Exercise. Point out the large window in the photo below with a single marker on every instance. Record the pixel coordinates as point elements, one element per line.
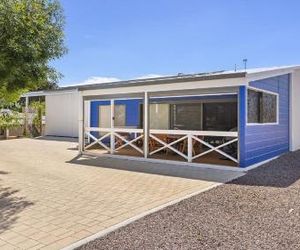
<point>220,116</point>
<point>104,116</point>
<point>262,107</point>
<point>159,116</point>
<point>186,116</point>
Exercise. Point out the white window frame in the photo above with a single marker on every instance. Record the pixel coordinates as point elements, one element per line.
<point>277,108</point>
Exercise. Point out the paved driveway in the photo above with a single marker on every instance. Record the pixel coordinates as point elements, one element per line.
<point>48,200</point>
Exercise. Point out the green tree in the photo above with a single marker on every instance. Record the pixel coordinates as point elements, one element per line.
<point>8,120</point>
<point>31,36</point>
<point>39,109</point>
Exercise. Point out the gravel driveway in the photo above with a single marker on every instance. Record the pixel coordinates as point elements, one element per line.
<point>260,210</point>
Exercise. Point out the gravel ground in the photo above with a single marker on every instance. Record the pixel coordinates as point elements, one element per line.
<point>260,210</point>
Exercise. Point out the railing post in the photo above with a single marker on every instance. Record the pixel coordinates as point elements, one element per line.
<point>81,132</point>
<point>146,124</point>
<point>112,126</point>
<point>190,147</point>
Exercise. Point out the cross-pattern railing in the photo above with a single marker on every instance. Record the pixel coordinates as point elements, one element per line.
<point>187,140</point>
<point>190,137</point>
<point>117,141</point>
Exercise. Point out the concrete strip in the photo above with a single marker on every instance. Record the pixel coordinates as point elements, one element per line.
<point>170,162</point>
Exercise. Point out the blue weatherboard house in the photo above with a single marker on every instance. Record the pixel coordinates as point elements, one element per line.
<point>228,118</point>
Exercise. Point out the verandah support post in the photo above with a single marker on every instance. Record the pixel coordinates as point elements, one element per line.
<point>242,106</point>
<point>112,126</point>
<point>190,147</point>
<point>146,124</point>
<point>81,124</point>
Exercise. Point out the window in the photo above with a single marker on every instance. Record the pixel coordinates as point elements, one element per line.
<point>104,116</point>
<point>187,116</point>
<point>262,107</point>
<point>159,116</point>
<point>220,116</point>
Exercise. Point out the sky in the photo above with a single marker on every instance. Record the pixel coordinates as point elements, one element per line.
<point>111,40</point>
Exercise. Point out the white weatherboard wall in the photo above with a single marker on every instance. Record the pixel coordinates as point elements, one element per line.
<point>295,111</point>
<point>62,114</point>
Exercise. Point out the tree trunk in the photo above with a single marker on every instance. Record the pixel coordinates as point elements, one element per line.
<point>6,133</point>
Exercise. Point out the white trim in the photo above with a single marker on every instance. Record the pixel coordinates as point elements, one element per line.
<point>146,124</point>
<point>112,126</point>
<point>194,132</point>
<point>156,88</point>
<point>187,95</point>
<point>169,146</point>
<point>190,147</point>
<point>106,99</point>
<point>217,149</point>
<point>185,134</point>
<point>166,131</point>
<point>81,137</point>
<point>116,99</point>
<point>268,73</point>
<point>262,90</point>
<point>46,93</point>
<point>119,130</point>
<point>128,143</point>
<point>99,141</point>
<point>291,111</point>
<point>277,107</point>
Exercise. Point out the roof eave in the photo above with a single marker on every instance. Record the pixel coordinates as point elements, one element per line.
<point>154,81</point>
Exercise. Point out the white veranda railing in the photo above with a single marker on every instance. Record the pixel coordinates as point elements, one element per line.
<point>117,137</point>
<point>187,139</point>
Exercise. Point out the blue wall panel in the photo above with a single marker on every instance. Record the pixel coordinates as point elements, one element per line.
<point>262,142</point>
<point>242,125</point>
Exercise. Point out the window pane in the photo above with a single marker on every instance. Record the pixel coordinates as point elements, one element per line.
<point>262,107</point>
<point>120,116</point>
<point>269,108</point>
<point>159,116</point>
<point>253,106</point>
<point>104,116</point>
<point>220,116</point>
<point>187,116</point>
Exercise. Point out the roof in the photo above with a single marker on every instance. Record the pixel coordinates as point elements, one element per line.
<point>176,78</point>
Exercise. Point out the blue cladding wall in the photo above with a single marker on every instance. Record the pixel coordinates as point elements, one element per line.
<point>132,112</point>
<point>262,142</point>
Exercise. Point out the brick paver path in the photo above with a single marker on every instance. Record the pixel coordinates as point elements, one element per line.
<point>46,202</point>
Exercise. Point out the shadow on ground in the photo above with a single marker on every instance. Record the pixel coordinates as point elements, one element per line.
<point>10,206</point>
<point>189,172</point>
<point>281,172</point>
<point>57,138</point>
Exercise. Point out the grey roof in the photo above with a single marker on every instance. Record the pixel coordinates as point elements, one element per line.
<point>161,80</point>
<point>173,79</point>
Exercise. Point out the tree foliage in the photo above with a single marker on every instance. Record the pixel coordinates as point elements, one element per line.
<point>31,36</point>
<point>9,119</point>
<point>39,109</point>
